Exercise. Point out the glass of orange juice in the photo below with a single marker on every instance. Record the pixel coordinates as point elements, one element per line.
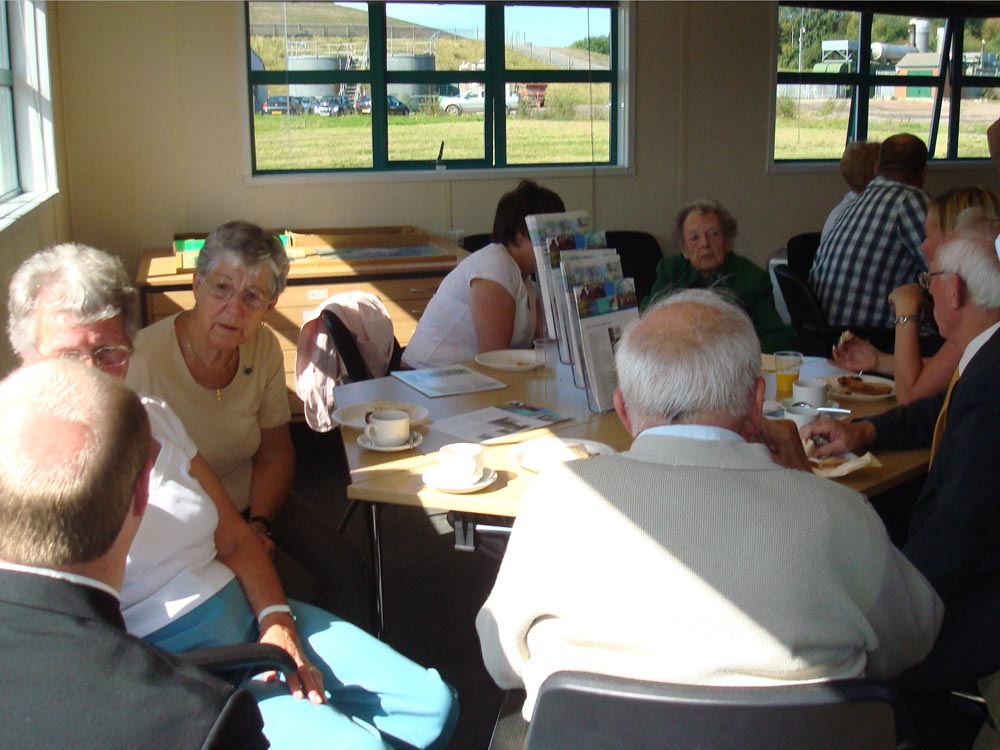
<point>786,370</point>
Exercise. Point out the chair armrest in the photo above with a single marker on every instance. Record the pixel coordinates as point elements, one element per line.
<point>236,664</point>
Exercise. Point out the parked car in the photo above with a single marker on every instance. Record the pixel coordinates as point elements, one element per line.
<point>473,102</point>
<point>281,105</point>
<point>308,103</point>
<point>333,105</point>
<point>393,106</point>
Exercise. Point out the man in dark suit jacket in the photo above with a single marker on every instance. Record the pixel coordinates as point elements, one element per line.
<point>75,455</point>
<point>954,524</point>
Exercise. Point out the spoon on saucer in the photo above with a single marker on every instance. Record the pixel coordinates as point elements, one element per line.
<point>831,409</point>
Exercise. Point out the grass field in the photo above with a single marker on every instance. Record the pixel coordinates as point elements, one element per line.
<point>313,142</point>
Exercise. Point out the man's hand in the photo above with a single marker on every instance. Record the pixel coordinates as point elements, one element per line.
<point>782,438</point>
<point>852,353</point>
<point>841,437</point>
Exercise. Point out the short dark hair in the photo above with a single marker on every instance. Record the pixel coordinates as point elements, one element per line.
<point>903,157</point>
<point>526,199</point>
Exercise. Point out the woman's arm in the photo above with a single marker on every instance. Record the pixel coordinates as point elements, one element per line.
<point>238,548</point>
<point>273,472</point>
<point>917,377</point>
<point>493,313</point>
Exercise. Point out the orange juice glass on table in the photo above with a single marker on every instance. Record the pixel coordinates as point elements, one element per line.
<point>786,370</point>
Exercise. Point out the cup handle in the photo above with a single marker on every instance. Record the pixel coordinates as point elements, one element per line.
<point>370,432</point>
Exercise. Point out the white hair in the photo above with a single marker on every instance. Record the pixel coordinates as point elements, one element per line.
<point>970,252</point>
<point>708,364</point>
<point>87,284</point>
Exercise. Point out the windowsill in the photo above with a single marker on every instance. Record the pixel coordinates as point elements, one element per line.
<point>433,175</point>
<point>20,206</point>
<point>833,166</point>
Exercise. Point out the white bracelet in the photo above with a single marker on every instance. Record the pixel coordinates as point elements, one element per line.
<point>273,609</point>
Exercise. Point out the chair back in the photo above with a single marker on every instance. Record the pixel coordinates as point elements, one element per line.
<point>598,712</point>
<point>473,242</point>
<point>815,335</point>
<point>801,250</point>
<point>640,252</point>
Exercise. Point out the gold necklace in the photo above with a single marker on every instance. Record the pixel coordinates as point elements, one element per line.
<point>224,369</point>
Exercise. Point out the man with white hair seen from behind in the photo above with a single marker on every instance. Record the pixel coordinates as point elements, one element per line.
<point>694,557</point>
<point>74,472</point>
<point>954,523</point>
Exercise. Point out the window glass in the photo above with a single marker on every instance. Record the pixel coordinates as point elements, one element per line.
<point>309,36</point>
<point>434,36</point>
<point>817,41</point>
<point>557,38</point>
<point>451,113</point>
<point>811,121</point>
<point>981,47</point>
<point>573,126</point>
<point>312,142</point>
<point>906,46</point>
<point>8,152</point>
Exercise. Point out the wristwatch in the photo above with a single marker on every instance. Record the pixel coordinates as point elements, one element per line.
<point>900,319</point>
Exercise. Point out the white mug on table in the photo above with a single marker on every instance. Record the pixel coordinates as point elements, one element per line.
<point>388,428</point>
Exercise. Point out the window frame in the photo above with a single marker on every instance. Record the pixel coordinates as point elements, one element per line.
<point>494,79</point>
<point>864,80</point>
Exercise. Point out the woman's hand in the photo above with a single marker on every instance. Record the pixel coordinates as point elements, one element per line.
<point>907,299</point>
<point>852,353</point>
<point>278,629</point>
<point>264,538</point>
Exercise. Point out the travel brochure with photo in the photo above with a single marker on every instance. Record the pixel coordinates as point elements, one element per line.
<point>495,422</point>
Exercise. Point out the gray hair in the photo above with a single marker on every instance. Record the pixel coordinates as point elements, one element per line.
<point>709,364</point>
<point>73,443</point>
<point>250,247</point>
<point>970,252</point>
<point>727,222</point>
<point>87,284</point>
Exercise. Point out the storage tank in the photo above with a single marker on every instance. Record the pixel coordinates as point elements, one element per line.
<point>316,62</point>
<point>412,93</point>
<point>890,54</point>
<point>259,91</point>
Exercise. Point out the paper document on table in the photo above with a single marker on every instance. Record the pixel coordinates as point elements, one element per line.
<point>494,422</point>
<point>450,380</point>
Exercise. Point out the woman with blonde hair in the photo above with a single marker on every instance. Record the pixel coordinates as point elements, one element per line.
<point>918,377</point>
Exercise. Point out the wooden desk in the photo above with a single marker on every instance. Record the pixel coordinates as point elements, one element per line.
<point>405,286</point>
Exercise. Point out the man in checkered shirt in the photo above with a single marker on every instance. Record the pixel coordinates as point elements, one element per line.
<point>875,245</point>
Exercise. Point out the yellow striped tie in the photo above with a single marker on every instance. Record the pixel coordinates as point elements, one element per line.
<point>942,416</point>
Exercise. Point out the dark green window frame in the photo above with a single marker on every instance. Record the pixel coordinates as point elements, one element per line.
<point>494,79</point>
<point>863,81</point>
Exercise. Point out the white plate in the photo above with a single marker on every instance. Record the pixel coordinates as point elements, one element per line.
<point>540,453</point>
<point>415,439</point>
<point>354,415</point>
<point>510,360</point>
<point>433,479</point>
<point>838,392</point>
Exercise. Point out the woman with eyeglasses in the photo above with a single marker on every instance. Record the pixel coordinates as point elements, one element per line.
<point>916,376</point>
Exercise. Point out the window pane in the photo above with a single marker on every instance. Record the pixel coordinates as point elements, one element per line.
<point>449,112</point>
<point>909,111</point>
<point>981,47</point>
<point>309,36</point>
<point>312,142</point>
<point>8,153</point>
<point>811,121</point>
<point>817,41</point>
<point>906,46</point>
<point>977,115</point>
<point>428,36</point>
<point>573,126</point>
<point>557,38</point>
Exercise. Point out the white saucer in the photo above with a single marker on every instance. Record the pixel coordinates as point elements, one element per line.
<point>432,479</point>
<point>788,402</point>
<point>415,439</point>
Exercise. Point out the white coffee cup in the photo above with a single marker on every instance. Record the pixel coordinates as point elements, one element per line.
<point>810,390</point>
<point>801,415</point>
<point>388,428</point>
<point>461,464</point>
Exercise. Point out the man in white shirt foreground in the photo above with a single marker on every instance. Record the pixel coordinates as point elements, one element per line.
<point>693,557</point>
<point>74,474</point>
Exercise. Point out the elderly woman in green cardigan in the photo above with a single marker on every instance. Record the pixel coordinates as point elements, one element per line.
<point>704,231</point>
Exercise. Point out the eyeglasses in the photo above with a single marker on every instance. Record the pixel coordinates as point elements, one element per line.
<point>924,279</point>
<point>104,356</point>
<point>223,290</point>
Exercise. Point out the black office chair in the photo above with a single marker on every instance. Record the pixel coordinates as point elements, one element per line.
<point>237,664</point>
<point>473,242</point>
<point>598,712</point>
<point>640,252</point>
<point>815,336</point>
<point>801,249</point>
<point>347,349</point>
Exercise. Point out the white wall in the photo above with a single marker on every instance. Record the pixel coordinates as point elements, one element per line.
<point>154,134</point>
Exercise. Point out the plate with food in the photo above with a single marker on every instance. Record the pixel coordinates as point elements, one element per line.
<point>509,360</point>
<point>540,453</point>
<point>356,415</point>
<point>837,466</point>
<point>861,387</point>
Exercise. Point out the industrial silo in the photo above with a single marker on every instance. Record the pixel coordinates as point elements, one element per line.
<point>413,94</point>
<point>316,62</point>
